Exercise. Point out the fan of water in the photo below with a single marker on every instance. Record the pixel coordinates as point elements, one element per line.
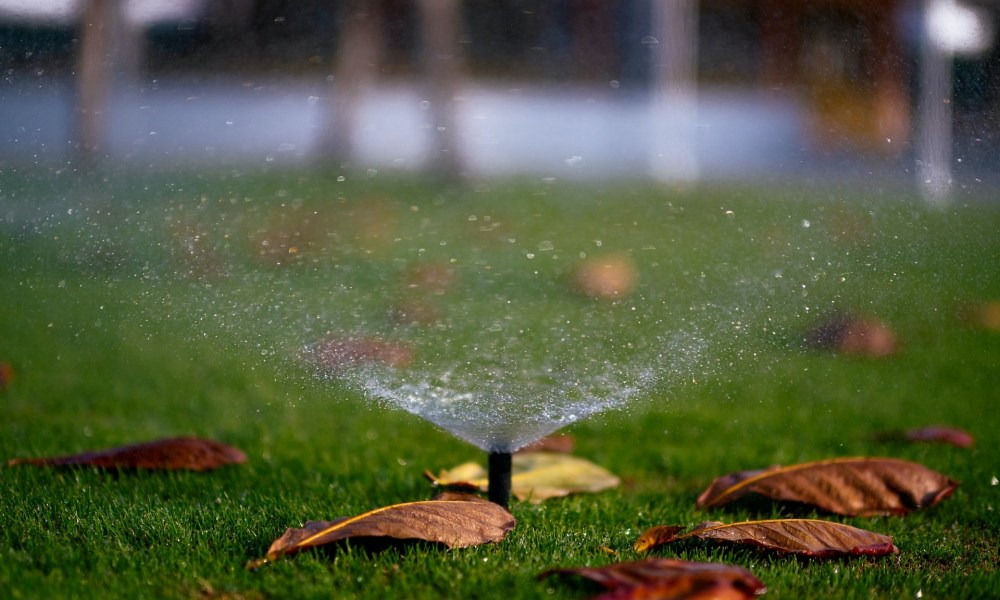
<point>503,386</point>
<point>500,405</point>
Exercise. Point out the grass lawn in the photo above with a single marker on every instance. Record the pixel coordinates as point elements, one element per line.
<point>141,306</point>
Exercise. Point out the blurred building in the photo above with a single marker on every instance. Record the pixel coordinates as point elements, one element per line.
<point>849,67</point>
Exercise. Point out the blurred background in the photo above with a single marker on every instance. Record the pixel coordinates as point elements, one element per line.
<point>889,91</point>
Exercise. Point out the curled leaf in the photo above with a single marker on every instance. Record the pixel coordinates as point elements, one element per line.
<point>453,519</point>
<point>846,486</point>
<point>947,435</point>
<point>182,453</point>
<point>537,476</point>
<point>813,538</point>
<point>937,434</point>
<point>669,578</point>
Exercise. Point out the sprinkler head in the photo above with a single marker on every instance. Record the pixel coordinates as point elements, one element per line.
<point>499,478</point>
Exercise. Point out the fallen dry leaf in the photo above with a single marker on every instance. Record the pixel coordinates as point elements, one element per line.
<point>854,335</point>
<point>562,443</point>
<point>6,375</point>
<point>666,578</point>
<point>935,434</point>
<point>609,277</point>
<point>846,486</point>
<point>334,354</point>
<point>536,476</point>
<point>431,277</point>
<point>453,519</point>
<point>984,315</point>
<point>414,311</point>
<point>811,538</point>
<point>183,453</point>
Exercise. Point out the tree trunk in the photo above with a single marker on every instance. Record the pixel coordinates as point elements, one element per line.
<point>673,153</point>
<point>354,71</point>
<point>439,28</point>
<point>100,23</point>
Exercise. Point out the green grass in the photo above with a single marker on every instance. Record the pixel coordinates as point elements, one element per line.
<point>138,306</point>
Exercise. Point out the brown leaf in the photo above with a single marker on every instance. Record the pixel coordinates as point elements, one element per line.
<point>432,277</point>
<point>337,353</point>
<point>414,311</point>
<point>453,519</point>
<point>183,453</point>
<point>846,486</point>
<point>6,375</point>
<point>667,578</point>
<point>947,435</point>
<point>537,476</point>
<point>812,538</point>
<point>939,434</point>
<point>854,335</point>
<point>608,277</point>
<point>561,443</point>
<point>982,315</point>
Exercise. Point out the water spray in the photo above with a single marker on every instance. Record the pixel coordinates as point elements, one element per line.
<point>499,478</point>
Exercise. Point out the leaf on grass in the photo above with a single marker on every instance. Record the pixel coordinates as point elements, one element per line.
<point>453,519</point>
<point>846,486</point>
<point>6,375</point>
<point>983,315</point>
<point>561,443</point>
<point>945,435</point>
<point>668,578</point>
<point>182,453</point>
<point>938,434</point>
<point>536,476</point>
<point>337,353</point>
<point>812,538</point>
<point>855,335</point>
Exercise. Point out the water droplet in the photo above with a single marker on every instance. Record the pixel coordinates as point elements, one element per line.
<point>806,223</point>
<point>545,246</point>
<point>649,40</point>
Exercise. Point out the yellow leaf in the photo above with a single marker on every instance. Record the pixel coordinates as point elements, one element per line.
<point>537,476</point>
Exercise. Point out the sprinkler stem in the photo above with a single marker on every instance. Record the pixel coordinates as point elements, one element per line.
<point>499,478</point>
